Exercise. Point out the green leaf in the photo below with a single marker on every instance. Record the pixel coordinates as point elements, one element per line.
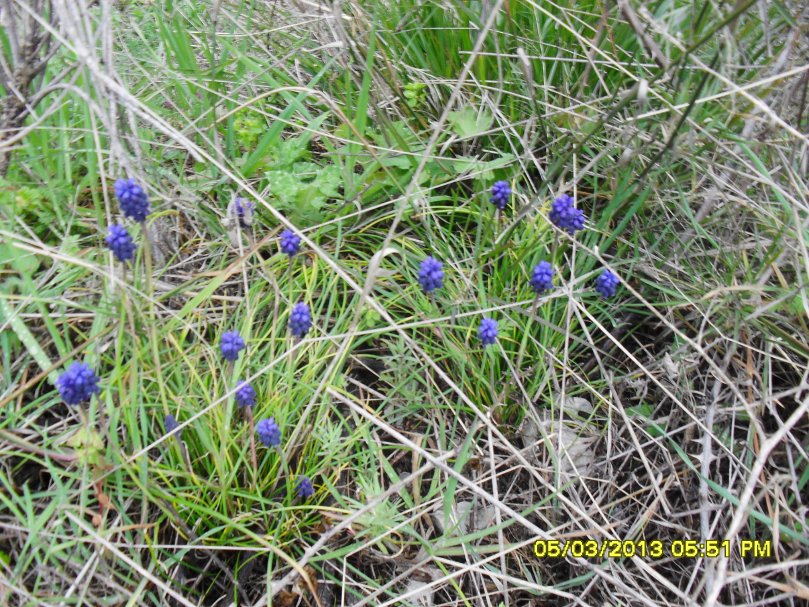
<point>305,169</point>
<point>89,446</point>
<point>398,131</point>
<point>644,410</point>
<point>415,94</point>
<point>284,186</point>
<point>248,126</point>
<point>399,162</point>
<point>9,315</point>
<point>469,123</point>
<point>290,151</point>
<point>481,170</point>
<point>24,262</point>
<point>328,181</point>
<point>310,197</point>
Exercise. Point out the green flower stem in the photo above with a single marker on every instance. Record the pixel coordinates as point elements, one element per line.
<point>251,422</point>
<point>527,332</point>
<point>284,466</point>
<point>153,320</point>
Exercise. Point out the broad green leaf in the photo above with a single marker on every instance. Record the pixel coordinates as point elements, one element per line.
<point>24,262</point>
<point>328,181</point>
<point>399,162</point>
<point>478,168</point>
<point>284,186</point>
<point>469,123</point>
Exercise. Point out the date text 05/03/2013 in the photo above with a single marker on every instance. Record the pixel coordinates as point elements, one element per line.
<point>656,549</point>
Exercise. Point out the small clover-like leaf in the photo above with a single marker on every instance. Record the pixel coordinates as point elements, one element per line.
<point>89,447</point>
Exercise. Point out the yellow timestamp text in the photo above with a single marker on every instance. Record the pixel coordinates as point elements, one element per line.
<point>655,549</point>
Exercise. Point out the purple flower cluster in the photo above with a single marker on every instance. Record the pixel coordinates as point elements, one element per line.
<point>565,216</point>
<point>431,274</point>
<point>244,212</point>
<point>268,432</point>
<point>231,344</point>
<point>290,243</point>
<point>134,203</point>
<point>487,332</point>
<point>245,395</point>
<point>132,199</point>
<point>300,320</point>
<point>170,423</point>
<point>77,384</point>
<point>607,284</point>
<point>304,487</point>
<point>542,277</point>
<point>501,193</point>
<point>120,243</point>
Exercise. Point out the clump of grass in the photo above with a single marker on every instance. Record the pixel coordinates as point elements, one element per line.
<point>612,233</point>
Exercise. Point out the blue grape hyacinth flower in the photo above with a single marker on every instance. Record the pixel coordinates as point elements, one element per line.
<point>290,243</point>
<point>170,423</point>
<point>120,243</point>
<point>501,193</point>
<point>607,284</point>
<point>244,212</point>
<point>565,216</point>
<point>542,277</point>
<point>77,384</point>
<point>245,395</point>
<point>132,199</point>
<point>304,487</point>
<point>268,432</point>
<point>300,320</point>
<point>487,332</point>
<point>431,274</point>
<point>231,344</point>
